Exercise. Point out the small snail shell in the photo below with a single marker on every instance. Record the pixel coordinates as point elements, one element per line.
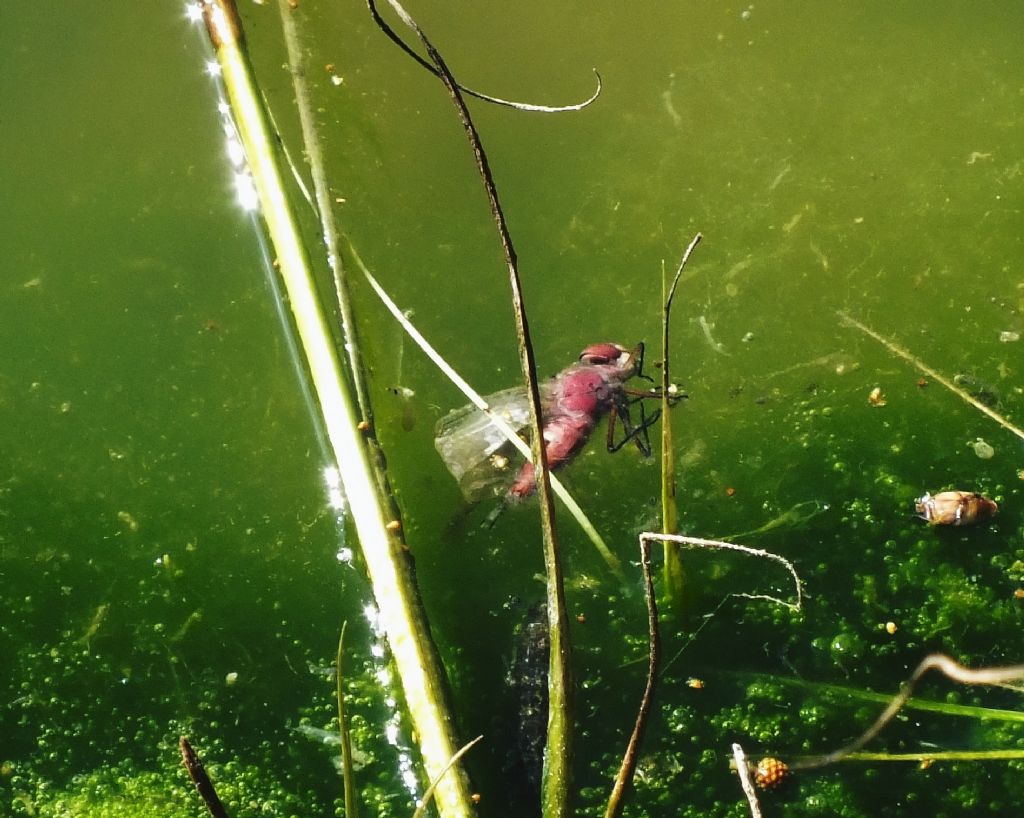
<point>771,773</point>
<point>955,508</point>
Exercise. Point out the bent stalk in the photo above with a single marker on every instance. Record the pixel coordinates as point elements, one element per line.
<point>555,788</point>
<point>616,801</point>
<point>674,576</point>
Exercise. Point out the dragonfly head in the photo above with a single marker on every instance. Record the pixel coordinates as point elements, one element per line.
<point>622,359</point>
<point>605,354</point>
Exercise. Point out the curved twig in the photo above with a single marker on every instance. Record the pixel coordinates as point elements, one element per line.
<point>700,542</point>
<point>629,759</point>
<point>519,106</point>
<point>555,786</point>
<point>998,676</point>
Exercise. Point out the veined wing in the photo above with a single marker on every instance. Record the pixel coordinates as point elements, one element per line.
<point>475,451</point>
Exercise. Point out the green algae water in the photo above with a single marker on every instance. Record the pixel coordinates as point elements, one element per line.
<point>170,558</point>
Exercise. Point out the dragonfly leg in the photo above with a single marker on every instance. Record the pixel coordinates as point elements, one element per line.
<point>637,433</point>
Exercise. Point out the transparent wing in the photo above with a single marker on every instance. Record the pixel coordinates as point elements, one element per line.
<point>475,451</point>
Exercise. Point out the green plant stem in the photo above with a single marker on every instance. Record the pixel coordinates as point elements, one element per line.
<point>391,576</point>
<point>951,669</point>
<point>944,755</point>
<point>429,793</point>
<point>324,207</point>
<point>945,708</point>
<point>672,561</point>
<point>347,773</point>
<point>673,566</point>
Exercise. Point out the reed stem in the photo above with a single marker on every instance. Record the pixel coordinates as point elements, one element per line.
<point>673,565</point>
<point>401,613</point>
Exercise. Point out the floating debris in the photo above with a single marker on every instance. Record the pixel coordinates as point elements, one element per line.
<point>1008,336</point>
<point>706,328</point>
<point>128,520</point>
<point>876,398</point>
<point>979,390</point>
<point>982,449</point>
<point>955,508</point>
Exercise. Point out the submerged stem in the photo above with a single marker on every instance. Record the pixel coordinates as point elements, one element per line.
<point>999,676</point>
<point>942,755</point>
<point>391,575</point>
<point>969,711</point>
<point>347,773</point>
<point>204,786</point>
<point>324,209</point>
<point>896,349</point>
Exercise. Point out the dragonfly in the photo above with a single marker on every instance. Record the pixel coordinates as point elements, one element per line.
<point>480,457</point>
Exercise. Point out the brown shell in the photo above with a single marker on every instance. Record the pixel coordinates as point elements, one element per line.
<point>771,773</point>
<point>956,508</point>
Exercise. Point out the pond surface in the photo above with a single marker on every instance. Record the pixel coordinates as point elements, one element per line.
<point>170,561</point>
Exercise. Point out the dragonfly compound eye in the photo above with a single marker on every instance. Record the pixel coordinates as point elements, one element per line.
<point>601,353</point>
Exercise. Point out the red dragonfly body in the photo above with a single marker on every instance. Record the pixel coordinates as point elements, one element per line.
<point>580,395</point>
<point>572,402</point>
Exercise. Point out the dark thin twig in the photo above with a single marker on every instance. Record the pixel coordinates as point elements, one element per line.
<point>629,759</point>
<point>558,758</point>
<point>1001,676</point>
<point>521,106</point>
<point>197,773</point>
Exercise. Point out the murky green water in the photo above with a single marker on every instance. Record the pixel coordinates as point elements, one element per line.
<point>168,557</point>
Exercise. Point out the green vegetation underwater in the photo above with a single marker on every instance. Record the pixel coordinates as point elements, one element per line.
<point>176,558</point>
